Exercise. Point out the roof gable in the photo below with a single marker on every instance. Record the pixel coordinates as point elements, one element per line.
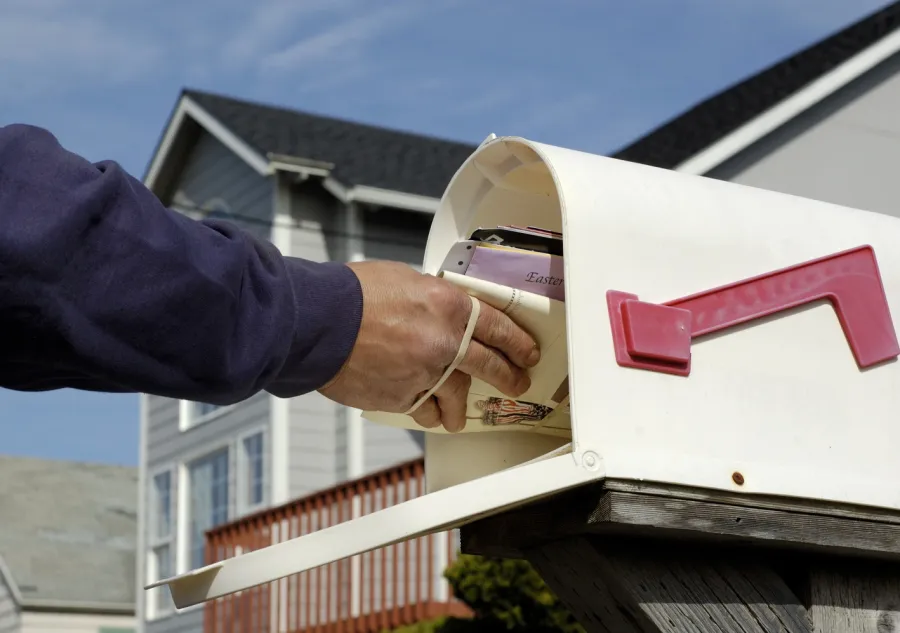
<point>359,154</point>
<point>68,533</point>
<point>702,126</point>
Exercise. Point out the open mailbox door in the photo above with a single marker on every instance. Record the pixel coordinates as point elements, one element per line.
<point>792,384</point>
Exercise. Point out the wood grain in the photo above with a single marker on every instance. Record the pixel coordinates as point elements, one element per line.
<point>686,515</point>
<point>612,585</point>
<point>854,598</point>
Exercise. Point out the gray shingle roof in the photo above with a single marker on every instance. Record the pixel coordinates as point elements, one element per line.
<point>68,531</point>
<point>362,154</point>
<point>710,120</point>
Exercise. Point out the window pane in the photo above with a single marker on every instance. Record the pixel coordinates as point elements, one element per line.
<point>395,234</point>
<point>163,561</point>
<point>253,478</point>
<point>209,500</point>
<point>162,504</point>
<point>204,408</point>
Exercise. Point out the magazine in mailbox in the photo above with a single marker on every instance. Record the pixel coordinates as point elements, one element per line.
<point>519,271</point>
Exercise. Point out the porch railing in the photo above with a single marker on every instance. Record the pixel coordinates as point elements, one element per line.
<point>390,587</point>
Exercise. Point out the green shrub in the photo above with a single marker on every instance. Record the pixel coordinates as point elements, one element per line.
<point>504,595</point>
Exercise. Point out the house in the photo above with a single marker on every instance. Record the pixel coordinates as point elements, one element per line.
<point>316,187</point>
<point>67,546</point>
<point>822,124</point>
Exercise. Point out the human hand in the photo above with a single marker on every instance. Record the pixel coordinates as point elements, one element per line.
<point>412,326</point>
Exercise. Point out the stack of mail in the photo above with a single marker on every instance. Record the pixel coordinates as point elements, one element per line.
<point>519,271</point>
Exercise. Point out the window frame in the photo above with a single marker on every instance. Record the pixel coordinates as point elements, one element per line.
<point>241,488</point>
<point>158,601</point>
<point>188,465</point>
<point>188,418</point>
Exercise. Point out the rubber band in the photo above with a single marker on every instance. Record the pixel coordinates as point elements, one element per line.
<point>460,355</point>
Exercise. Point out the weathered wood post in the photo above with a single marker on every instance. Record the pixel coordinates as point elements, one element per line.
<point>626,557</point>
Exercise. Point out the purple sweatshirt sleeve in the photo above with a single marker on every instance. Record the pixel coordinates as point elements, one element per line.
<point>104,289</point>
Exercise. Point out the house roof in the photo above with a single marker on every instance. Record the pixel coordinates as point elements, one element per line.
<point>361,154</point>
<point>67,533</point>
<point>704,124</point>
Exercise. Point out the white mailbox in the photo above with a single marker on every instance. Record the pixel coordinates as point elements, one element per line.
<point>711,330</point>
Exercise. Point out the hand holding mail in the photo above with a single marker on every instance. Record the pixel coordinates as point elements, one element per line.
<point>421,341</point>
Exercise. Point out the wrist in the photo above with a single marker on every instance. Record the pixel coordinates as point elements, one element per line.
<point>328,308</point>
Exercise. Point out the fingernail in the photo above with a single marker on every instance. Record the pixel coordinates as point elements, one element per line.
<point>534,356</point>
<point>524,385</point>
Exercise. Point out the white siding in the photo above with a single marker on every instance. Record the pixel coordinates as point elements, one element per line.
<point>386,445</point>
<point>844,150</point>
<point>214,177</point>
<point>317,231</point>
<point>318,446</point>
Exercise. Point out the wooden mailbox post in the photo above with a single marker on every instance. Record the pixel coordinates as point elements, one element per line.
<point>728,461</point>
<point>627,557</point>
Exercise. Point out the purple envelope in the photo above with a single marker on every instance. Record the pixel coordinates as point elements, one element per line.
<point>538,273</point>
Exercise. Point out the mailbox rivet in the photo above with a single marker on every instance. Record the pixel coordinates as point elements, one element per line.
<point>737,478</point>
<point>591,460</point>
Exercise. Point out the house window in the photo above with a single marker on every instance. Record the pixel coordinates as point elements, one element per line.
<point>395,234</point>
<point>160,538</point>
<point>162,563</point>
<point>202,409</point>
<point>208,501</point>
<point>253,472</point>
<point>162,505</point>
<point>194,413</point>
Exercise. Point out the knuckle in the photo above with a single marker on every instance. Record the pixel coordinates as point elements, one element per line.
<point>441,295</point>
<point>484,363</point>
<point>500,370</point>
<point>514,338</point>
<point>504,331</point>
<point>458,384</point>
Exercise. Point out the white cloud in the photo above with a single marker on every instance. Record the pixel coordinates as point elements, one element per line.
<point>271,21</point>
<point>346,39</point>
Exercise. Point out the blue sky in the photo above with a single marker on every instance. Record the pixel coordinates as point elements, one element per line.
<point>103,75</point>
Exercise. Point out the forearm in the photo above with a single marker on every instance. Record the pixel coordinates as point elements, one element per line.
<point>103,288</point>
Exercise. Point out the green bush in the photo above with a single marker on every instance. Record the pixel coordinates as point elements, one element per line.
<point>504,595</point>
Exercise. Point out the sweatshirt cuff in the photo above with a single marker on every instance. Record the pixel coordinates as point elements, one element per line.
<point>328,305</point>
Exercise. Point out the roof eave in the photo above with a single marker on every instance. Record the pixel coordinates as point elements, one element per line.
<point>72,606</point>
<point>186,110</point>
<point>791,107</point>
<point>381,197</point>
